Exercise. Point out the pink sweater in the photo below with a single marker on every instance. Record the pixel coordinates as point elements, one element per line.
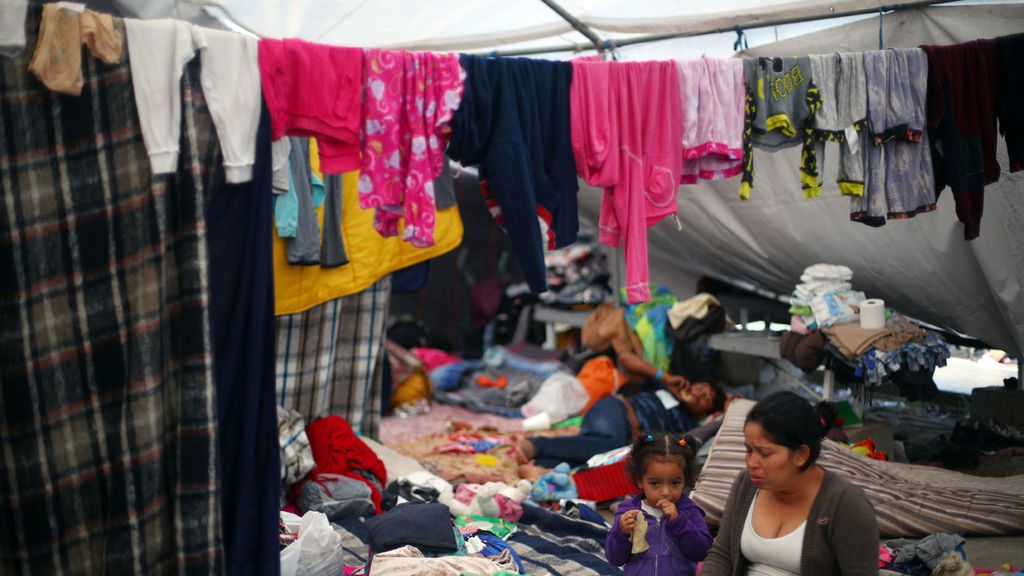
<point>315,90</point>
<point>627,139</point>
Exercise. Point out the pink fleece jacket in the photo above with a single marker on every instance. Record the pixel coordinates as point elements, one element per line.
<point>626,138</point>
<point>315,90</point>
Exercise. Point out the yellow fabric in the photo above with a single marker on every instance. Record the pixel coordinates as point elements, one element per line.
<point>782,123</point>
<point>810,185</point>
<point>314,158</point>
<point>851,188</point>
<point>745,191</point>
<point>371,256</point>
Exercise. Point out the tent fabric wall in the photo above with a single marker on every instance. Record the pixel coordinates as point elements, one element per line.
<point>484,25</point>
<point>920,266</point>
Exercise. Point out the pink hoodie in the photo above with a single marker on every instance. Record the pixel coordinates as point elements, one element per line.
<point>315,90</point>
<point>627,138</point>
<point>713,96</point>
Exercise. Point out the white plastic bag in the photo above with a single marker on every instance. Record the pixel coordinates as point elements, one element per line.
<point>834,308</point>
<point>317,552</point>
<point>561,396</point>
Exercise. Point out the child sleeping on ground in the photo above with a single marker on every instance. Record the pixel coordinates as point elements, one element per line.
<point>659,531</point>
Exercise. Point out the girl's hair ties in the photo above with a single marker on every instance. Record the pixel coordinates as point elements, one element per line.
<point>682,442</point>
<point>650,437</point>
<point>822,420</point>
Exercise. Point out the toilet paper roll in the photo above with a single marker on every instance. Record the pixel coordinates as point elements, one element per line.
<point>872,314</point>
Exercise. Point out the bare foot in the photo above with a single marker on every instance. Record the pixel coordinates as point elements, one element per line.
<point>524,451</point>
<point>532,472</point>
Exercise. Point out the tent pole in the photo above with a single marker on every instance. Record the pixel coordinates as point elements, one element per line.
<point>575,23</point>
<point>750,26</point>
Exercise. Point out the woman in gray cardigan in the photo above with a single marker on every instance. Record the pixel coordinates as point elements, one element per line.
<point>786,515</point>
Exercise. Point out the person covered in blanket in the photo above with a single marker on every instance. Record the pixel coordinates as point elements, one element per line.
<point>659,530</point>
<point>661,403</point>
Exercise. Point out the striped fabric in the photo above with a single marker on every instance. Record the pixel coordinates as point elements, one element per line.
<point>329,358</point>
<point>911,501</point>
<point>547,543</point>
<point>108,453</point>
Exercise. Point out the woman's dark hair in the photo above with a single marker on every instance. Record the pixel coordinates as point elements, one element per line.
<point>789,420</point>
<point>660,445</point>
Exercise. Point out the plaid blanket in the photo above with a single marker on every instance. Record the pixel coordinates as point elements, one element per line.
<point>107,408</point>
<point>329,358</point>
<point>547,543</point>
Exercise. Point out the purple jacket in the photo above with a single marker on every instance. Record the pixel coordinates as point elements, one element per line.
<point>675,547</point>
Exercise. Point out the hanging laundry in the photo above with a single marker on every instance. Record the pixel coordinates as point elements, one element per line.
<point>57,61</point>
<point>444,188</point>
<point>315,90</point>
<point>712,92</point>
<point>329,357</point>
<point>281,150</point>
<point>12,27</point>
<point>781,102</point>
<point>841,117</point>
<point>626,137</point>
<point>110,415</point>
<point>244,332</point>
<point>898,180</point>
<point>158,51</point>
<point>962,91</point>
<point>295,211</point>
<point>370,255</point>
<point>514,124</point>
<point>332,246</point>
<point>409,99</point>
<point>1011,86</point>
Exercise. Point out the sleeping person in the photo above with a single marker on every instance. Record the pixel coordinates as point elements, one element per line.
<point>662,403</point>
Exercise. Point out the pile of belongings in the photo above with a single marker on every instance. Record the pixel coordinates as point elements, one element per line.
<point>824,297</point>
<point>577,275</point>
<point>422,538</point>
<point>501,383</point>
<point>899,347</point>
<point>854,341</point>
<point>348,479</point>
<point>936,554</point>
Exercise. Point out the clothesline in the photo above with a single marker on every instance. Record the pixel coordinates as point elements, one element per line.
<point>533,126</point>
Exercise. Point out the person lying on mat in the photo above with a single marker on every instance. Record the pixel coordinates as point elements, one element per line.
<point>786,515</point>
<point>663,403</point>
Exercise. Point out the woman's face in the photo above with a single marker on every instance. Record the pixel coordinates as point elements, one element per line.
<point>772,467</point>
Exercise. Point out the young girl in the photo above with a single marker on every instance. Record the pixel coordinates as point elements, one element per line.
<point>676,537</point>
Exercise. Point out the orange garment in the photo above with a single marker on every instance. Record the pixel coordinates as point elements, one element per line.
<point>57,61</point>
<point>487,382</point>
<point>601,378</point>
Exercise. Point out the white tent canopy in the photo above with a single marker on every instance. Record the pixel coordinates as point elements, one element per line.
<point>921,266</point>
<point>483,25</point>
